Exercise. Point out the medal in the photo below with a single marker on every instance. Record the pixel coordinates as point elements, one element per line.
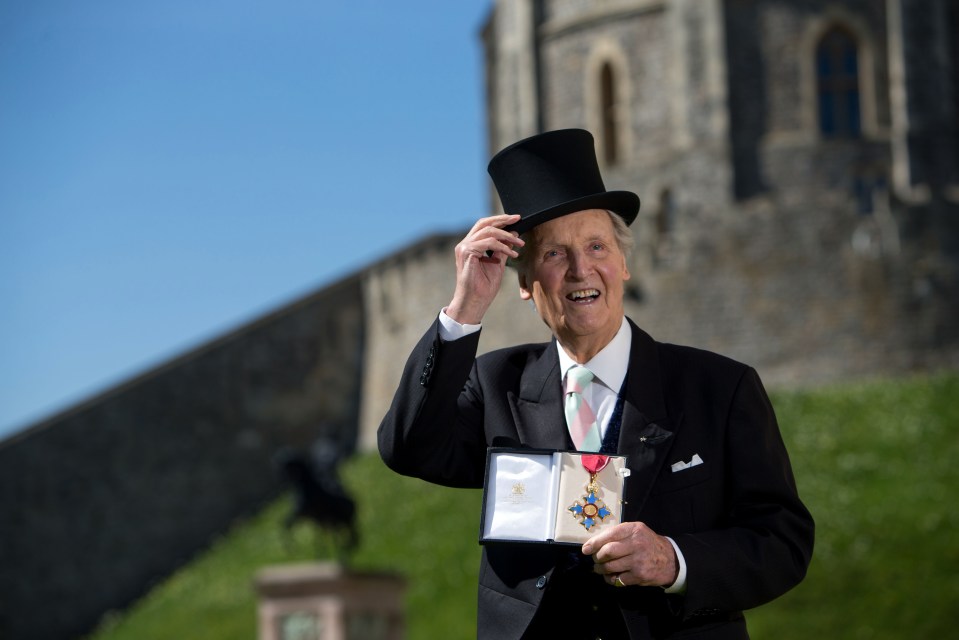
<point>591,506</point>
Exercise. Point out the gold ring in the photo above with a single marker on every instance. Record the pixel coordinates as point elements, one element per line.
<point>618,582</point>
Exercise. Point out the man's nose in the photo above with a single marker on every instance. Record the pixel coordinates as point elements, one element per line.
<point>578,265</point>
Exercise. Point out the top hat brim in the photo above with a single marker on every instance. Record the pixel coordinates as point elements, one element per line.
<point>625,204</point>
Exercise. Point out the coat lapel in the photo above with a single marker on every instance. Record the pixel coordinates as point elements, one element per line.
<point>647,431</point>
<point>538,410</point>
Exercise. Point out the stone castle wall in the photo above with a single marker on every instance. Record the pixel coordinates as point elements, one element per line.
<point>105,499</point>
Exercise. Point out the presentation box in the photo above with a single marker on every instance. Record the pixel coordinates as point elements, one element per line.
<point>550,497</point>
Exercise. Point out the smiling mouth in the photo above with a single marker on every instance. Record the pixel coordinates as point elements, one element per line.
<point>583,295</point>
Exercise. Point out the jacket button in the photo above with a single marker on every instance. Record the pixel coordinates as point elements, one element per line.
<point>540,582</point>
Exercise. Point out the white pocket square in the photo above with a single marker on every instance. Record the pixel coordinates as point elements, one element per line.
<point>695,461</point>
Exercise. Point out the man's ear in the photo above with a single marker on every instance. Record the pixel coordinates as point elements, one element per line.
<point>524,291</point>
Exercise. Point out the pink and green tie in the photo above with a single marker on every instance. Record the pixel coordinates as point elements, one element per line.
<point>579,416</point>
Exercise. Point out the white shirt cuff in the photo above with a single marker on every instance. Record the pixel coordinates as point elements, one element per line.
<point>680,585</point>
<point>452,330</point>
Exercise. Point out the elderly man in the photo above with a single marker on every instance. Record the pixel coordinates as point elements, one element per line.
<point>711,524</point>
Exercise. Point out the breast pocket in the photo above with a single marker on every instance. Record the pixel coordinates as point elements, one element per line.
<point>670,480</point>
<point>678,498</point>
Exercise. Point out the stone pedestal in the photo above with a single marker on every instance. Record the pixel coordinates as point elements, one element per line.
<point>324,601</point>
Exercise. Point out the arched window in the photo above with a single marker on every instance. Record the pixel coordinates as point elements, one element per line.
<point>608,114</point>
<point>665,225</point>
<point>665,215</point>
<point>607,99</point>
<point>837,80</point>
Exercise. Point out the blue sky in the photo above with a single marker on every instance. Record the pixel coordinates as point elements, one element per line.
<point>171,170</point>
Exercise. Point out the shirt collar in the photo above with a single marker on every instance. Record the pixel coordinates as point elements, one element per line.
<point>610,364</point>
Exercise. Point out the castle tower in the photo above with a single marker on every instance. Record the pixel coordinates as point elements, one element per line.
<point>798,164</point>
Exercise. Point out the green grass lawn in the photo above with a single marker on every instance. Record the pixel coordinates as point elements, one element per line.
<point>874,463</point>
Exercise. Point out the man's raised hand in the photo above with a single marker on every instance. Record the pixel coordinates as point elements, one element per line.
<point>480,263</point>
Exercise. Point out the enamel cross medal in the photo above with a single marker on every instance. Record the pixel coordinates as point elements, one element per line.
<point>591,507</point>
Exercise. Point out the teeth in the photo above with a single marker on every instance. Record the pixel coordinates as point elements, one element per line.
<point>585,293</point>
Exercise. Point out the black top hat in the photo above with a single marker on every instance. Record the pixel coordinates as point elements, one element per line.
<point>553,174</point>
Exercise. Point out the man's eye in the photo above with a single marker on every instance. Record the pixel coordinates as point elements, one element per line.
<point>598,247</point>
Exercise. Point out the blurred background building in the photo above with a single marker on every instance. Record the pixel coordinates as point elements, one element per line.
<point>798,165</point>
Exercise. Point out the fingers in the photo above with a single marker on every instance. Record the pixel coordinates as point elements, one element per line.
<point>479,275</point>
<point>613,550</point>
<point>488,238</point>
<point>619,532</point>
<point>500,221</point>
<point>612,569</point>
<point>633,553</point>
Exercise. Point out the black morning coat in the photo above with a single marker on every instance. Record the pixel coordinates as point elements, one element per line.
<point>745,534</point>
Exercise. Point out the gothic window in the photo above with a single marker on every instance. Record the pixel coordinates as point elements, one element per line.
<point>665,214</point>
<point>665,223</point>
<point>837,79</point>
<point>608,114</point>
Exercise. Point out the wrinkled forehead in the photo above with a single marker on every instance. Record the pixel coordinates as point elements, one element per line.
<point>574,227</point>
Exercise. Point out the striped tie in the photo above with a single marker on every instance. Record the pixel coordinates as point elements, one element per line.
<point>579,416</point>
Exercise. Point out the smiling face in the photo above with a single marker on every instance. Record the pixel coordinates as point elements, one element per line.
<point>575,273</point>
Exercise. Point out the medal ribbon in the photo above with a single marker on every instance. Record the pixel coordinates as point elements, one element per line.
<point>594,463</point>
